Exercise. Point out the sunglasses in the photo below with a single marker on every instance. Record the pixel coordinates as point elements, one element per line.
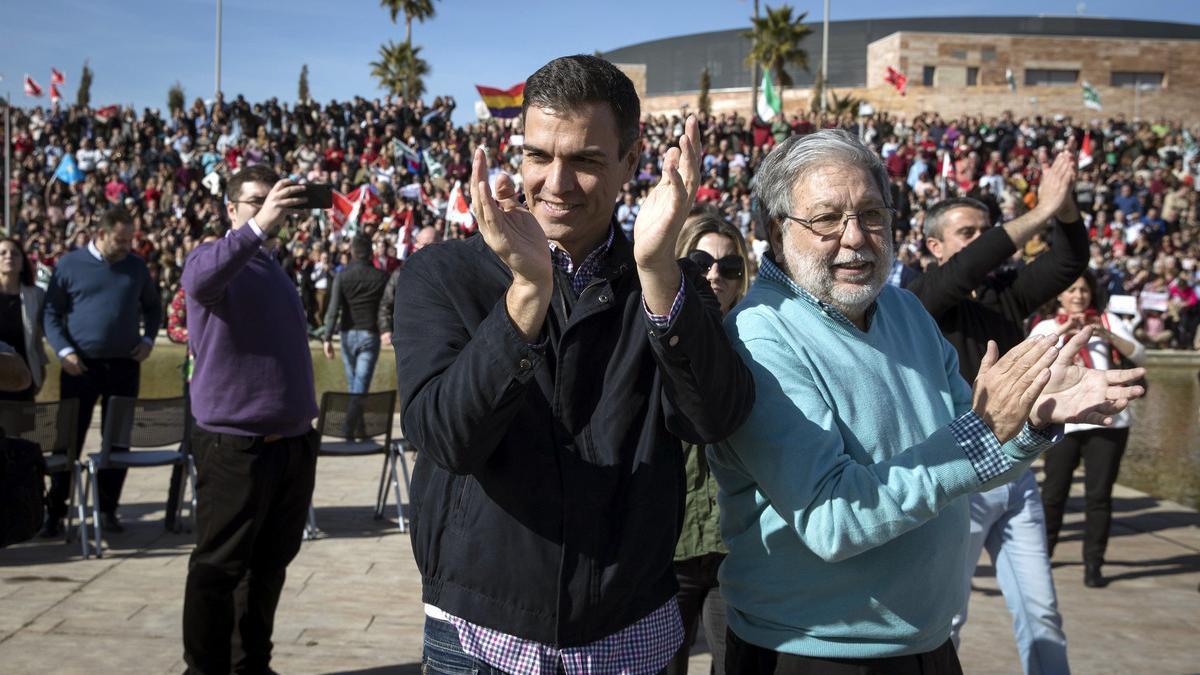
<point>731,266</point>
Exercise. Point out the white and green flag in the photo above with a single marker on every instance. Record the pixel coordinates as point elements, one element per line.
<point>1091,97</point>
<point>769,104</point>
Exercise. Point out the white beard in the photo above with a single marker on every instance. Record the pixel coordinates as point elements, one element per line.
<point>815,275</point>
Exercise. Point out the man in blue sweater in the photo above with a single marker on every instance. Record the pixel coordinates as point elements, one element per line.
<point>256,451</point>
<point>842,495</point>
<point>101,315</point>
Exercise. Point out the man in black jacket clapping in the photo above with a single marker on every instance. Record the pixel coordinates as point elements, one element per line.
<point>546,372</point>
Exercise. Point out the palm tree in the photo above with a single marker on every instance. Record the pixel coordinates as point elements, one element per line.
<point>775,43</point>
<point>411,9</point>
<point>400,70</point>
<point>847,104</point>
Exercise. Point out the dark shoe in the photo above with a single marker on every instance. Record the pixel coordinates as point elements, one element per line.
<point>1092,578</point>
<point>51,529</point>
<point>110,523</point>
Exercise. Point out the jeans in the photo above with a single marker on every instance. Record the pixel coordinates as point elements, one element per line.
<point>360,351</point>
<point>1009,521</point>
<point>444,655</point>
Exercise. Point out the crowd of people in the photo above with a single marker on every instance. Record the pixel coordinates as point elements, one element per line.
<point>549,369</point>
<point>1137,188</point>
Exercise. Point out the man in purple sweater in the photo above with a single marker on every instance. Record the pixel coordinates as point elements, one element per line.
<point>256,451</point>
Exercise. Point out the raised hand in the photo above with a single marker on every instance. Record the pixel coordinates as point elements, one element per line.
<point>1056,191</point>
<point>666,207</point>
<point>284,197</point>
<point>508,228</point>
<point>1007,387</point>
<point>1084,395</point>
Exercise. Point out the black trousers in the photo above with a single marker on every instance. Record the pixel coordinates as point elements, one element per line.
<point>102,379</point>
<point>253,499</point>
<point>700,595</point>
<point>743,658</point>
<point>1101,451</point>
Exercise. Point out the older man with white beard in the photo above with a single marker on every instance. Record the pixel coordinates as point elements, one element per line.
<point>842,495</point>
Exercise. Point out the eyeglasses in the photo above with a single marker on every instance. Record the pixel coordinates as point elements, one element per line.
<point>257,203</point>
<point>731,266</point>
<point>834,223</point>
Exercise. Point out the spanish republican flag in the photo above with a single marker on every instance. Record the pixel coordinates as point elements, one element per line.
<point>503,103</point>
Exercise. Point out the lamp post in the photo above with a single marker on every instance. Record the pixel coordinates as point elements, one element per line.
<point>217,93</point>
<point>825,57</point>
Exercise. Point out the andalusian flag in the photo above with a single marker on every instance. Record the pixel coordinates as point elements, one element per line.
<point>769,104</point>
<point>1091,97</point>
<point>503,103</point>
<point>1010,79</point>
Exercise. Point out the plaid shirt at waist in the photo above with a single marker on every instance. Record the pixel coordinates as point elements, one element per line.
<point>645,647</point>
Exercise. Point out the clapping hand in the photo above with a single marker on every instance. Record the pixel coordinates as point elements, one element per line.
<point>661,217</point>
<point>1056,191</point>
<point>508,228</point>
<point>1084,395</point>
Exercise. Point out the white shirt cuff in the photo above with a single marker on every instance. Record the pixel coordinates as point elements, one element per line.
<point>62,353</point>
<point>256,229</point>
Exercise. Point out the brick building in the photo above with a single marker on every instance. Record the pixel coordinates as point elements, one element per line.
<point>955,65</point>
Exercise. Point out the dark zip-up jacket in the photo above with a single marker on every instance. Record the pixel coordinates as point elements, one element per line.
<point>972,305</point>
<point>548,493</point>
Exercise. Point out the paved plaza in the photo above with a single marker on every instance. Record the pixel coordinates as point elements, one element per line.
<point>352,601</point>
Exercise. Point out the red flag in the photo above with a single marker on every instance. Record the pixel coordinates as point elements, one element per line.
<point>108,112</point>
<point>340,212</point>
<point>368,195</point>
<point>32,88</point>
<point>1085,150</point>
<point>56,77</point>
<point>55,97</point>
<point>897,79</point>
<point>405,240</point>
<point>457,210</point>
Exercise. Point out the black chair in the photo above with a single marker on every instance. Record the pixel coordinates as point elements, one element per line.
<point>353,425</point>
<point>140,423</point>
<point>53,426</point>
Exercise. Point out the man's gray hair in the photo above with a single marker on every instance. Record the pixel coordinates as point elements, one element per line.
<point>935,217</point>
<point>794,158</point>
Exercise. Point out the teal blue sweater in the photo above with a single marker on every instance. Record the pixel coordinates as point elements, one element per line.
<point>841,495</point>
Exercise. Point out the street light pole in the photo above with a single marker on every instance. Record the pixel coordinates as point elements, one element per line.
<point>7,163</point>
<point>217,93</point>
<point>825,57</point>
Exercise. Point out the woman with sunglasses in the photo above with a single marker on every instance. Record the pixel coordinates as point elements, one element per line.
<point>718,248</point>
<point>1112,346</point>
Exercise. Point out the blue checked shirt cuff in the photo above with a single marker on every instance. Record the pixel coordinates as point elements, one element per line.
<point>663,321</point>
<point>981,446</point>
<point>983,449</point>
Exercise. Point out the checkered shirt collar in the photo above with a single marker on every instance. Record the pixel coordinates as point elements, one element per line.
<point>582,275</point>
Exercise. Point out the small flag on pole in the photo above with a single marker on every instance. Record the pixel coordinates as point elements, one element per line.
<point>32,88</point>
<point>1091,97</point>
<point>68,171</point>
<point>1085,150</point>
<point>55,97</point>
<point>56,77</point>
<point>769,104</point>
<point>457,210</point>
<point>1010,79</point>
<point>503,103</point>
<point>897,79</point>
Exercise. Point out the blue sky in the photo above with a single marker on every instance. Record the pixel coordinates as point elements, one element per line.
<point>138,48</point>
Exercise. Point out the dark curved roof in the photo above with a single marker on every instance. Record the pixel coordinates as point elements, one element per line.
<point>674,64</point>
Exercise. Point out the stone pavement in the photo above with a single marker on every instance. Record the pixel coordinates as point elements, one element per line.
<point>352,600</point>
